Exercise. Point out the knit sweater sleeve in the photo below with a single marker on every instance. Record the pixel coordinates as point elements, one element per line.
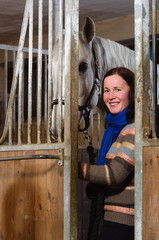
<point>120,160</point>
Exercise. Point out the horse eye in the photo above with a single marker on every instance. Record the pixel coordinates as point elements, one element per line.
<point>83,67</point>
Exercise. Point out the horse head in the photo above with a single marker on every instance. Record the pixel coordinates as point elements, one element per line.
<point>89,78</point>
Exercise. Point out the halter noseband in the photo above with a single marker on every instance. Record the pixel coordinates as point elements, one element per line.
<point>96,87</point>
<point>56,102</point>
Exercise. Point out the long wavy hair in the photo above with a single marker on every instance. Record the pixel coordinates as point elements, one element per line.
<point>129,77</point>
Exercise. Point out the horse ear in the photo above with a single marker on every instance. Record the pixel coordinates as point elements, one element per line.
<point>88,31</point>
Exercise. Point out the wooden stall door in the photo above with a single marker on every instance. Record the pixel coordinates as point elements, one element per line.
<point>151,193</point>
<point>31,198</point>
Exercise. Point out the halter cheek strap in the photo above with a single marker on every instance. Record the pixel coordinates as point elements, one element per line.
<point>97,75</point>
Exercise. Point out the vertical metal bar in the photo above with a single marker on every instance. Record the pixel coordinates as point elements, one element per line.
<point>30,71</point>
<point>142,99</point>
<point>6,81</point>
<point>10,121</point>
<point>23,70</point>
<point>74,118</point>
<point>67,126</point>
<point>138,113</point>
<point>14,108</point>
<point>50,47</point>
<point>20,100</point>
<point>146,64</point>
<point>71,125</point>
<point>56,20</point>
<point>154,64</point>
<point>46,99</point>
<point>10,115</point>
<point>39,98</point>
<point>60,87</point>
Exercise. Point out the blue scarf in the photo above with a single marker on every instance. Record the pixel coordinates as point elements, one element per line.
<point>115,123</point>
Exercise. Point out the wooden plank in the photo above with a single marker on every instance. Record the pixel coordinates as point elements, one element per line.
<point>151,193</point>
<point>31,197</point>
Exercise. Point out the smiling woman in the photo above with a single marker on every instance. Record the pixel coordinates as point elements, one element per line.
<point>116,93</point>
<point>118,90</point>
<point>114,173</point>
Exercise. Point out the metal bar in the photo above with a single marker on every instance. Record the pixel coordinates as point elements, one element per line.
<point>138,119</point>
<point>56,19</point>
<point>74,117</point>
<point>154,63</point>
<point>67,126</point>
<point>50,47</point>
<point>71,124</point>
<point>20,100</point>
<point>30,157</point>
<point>46,99</point>
<point>39,91</point>
<point>147,103</point>
<point>23,100</point>
<point>30,73</point>
<point>22,147</point>
<point>6,81</point>
<point>10,122</point>
<point>14,108</point>
<point>13,48</point>
<point>60,79</point>
<point>142,100</point>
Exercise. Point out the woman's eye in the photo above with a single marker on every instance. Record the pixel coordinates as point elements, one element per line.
<point>106,90</point>
<point>118,89</point>
<point>83,67</point>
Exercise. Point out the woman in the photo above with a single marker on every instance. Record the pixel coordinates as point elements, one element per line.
<point>115,167</point>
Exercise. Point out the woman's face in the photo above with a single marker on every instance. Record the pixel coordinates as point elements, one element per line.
<point>116,93</point>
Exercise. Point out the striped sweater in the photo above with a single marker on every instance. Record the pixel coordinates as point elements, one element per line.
<point>118,176</point>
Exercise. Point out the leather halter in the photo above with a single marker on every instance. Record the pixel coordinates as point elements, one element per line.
<point>96,87</point>
<point>56,102</point>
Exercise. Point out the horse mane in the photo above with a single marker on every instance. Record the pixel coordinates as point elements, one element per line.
<point>111,54</point>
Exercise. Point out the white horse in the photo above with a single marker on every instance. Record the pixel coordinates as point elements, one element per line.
<point>96,56</point>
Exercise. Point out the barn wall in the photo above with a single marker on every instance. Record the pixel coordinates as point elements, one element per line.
<point>115,29</point>
<point>118,29</point>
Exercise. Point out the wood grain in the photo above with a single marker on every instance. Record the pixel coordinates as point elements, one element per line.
<point>31,197</point>
<point>151,193</point>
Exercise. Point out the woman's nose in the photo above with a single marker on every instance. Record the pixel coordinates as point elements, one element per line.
<point>111,94</point>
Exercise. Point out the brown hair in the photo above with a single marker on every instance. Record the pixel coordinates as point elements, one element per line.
<point>129,77</point>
